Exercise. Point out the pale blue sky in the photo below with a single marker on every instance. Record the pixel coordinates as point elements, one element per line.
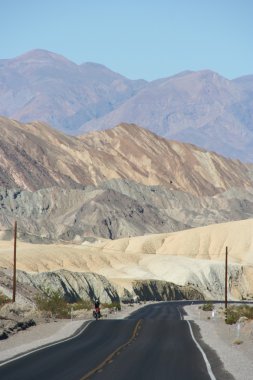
<point>136,38</point>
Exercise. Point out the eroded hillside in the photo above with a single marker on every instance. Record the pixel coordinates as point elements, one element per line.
<point>116,183</point>
<point>187,258</point>
<point>34,156</point>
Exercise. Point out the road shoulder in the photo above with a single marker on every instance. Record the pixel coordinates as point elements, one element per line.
<point>214,335</point>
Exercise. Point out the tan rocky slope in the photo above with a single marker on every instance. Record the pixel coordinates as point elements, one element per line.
<point>188,258</point>
<point>34,156</point>
<point>121,182</point>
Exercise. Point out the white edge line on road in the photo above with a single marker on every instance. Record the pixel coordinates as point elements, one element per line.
<point>180,314</point>
<point>208,366</point>
<point>45,346</point>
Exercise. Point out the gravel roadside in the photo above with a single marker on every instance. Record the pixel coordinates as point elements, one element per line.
<point>237,358</point>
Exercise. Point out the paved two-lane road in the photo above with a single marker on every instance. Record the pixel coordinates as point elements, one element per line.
<point>153,343</point>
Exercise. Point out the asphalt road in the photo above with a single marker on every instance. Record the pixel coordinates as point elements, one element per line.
<point>153,343</point>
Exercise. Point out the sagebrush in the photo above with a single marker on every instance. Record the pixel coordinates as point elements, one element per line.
<point>235,312</point>
<point>3,299</point>
<point>54,303</point>
<point>207,307</point>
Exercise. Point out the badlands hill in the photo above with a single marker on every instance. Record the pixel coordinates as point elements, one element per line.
<point>193,258</point>
<point>65,188</point>
<point>35,156</point>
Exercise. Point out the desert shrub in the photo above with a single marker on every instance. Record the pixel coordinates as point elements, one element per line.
<point>112,305</point>
<point>246,311</point>
<point>234,313</point>
<point>82,304</point>
<point>232,318</point>
<point>3,299</point>
<point>53,302</point>
<point>237,341</point>
<point>207,307</point>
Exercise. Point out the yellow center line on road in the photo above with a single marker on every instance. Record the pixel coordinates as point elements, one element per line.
<point>109,358</point>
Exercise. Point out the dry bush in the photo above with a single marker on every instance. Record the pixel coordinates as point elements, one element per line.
<point>82,304</point>
<point>234,313</point>
<point>113,305</point>
<point>207,307</point>
<point>3,299</point>
<point>54,303</point>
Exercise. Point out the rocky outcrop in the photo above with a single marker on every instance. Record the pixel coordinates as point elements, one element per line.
<point>74,286</point>
<point>14,318</point>
<point>155,290</point>
<point>10,327</point>
<point>71,285</point>
<point>190,281</point>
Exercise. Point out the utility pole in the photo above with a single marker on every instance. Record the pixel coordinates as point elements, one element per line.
<point>14,263</point>
<point>226,283</point>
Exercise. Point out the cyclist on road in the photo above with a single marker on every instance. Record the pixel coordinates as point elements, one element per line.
<point>97,307</point>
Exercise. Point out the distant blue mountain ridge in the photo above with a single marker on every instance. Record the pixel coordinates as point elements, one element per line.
<point>201,108</point>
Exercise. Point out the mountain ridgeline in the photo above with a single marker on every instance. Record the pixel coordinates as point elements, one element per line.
<point>200,107</point>
<point>35,156</point>
<point>125,181</point>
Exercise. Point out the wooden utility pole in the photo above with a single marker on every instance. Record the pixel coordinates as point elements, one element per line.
<point>226,283</point>
<point>14,263</point>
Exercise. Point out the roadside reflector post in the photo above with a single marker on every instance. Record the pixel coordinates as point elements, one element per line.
<point>238,328</point>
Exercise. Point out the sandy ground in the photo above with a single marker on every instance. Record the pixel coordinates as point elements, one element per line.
<point>237,358</point>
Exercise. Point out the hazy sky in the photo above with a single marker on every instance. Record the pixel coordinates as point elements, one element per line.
<point>137,38</point>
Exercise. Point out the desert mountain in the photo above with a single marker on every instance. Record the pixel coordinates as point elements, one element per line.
<point>201,107</point>
<point>111,184</point>
<point>45,86</point>
<point>34,156</point>
<point>193,257</point>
